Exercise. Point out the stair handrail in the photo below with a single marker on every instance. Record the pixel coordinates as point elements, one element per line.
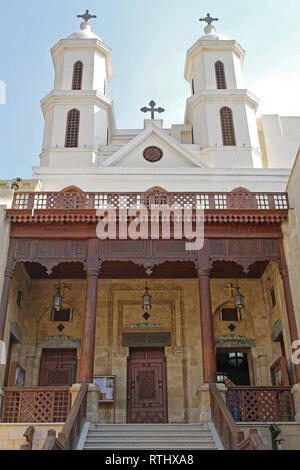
<point>222,419</point>
<point>51,442</point>
<point>233,438</point>
<point>253,442</point>
<point>70,434</point>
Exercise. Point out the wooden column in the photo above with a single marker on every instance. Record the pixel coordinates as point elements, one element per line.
<point>289,305</point>
<point>89,328</point>
<point>8,275</point>
<point>207,326</point>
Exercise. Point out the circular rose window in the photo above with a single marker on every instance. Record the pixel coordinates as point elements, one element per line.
<point>153,154</point>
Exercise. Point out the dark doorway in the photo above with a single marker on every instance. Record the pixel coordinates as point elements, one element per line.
<point>58,367</point>
<point>147,386</point>
<point>233,364</point>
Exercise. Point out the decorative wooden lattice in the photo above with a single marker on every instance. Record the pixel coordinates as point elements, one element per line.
<point>236,200</point>
<point>36,405</point>
<point>261,404</point>
<point>77,76</point>
<point>227,126</point>
<point>72,131</point>
<point>220,75</point>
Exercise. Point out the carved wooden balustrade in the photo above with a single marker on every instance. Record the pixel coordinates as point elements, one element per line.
<point>261,404</point>
<point>35,405</point>
<point>231,436</point>
<point>236,200</point>
<point>68,438</point>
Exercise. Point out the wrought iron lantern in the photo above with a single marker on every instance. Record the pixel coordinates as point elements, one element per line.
<point>57,299</point>
<point>239,299</point>
<point>235,359</point>
<point>146,299</point>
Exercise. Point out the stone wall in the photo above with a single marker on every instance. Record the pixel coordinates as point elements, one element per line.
<point>254,330</point>
<point>175,309</point>
<point>11,435</point>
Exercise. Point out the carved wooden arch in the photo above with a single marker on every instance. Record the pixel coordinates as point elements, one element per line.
<point>72,196</point>
<point>241,198</point>
<point>156,189</point>
<point>240,190</point>
<point>71,189</point>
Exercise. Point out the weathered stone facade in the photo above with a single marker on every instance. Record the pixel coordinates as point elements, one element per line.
<point>175,310</point>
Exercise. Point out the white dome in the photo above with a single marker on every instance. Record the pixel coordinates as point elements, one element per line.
<point>84,33</point>
<point>212,35</point>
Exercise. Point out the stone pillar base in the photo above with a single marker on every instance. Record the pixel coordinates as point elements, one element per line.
<point>92,409</point>
<point>296,396</point>
<point>204,401</point>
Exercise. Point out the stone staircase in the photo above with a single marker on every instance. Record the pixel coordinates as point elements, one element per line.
<point>151,436</point>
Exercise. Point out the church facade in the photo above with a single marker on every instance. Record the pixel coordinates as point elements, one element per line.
<point>102,281</point>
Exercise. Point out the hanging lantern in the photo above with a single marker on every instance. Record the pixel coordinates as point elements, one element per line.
<point>146,299</point>
<point>239,299</point>
<point>57,299</point>
<point>235,359</point>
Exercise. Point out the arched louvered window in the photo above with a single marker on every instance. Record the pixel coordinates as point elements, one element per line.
<point>220,75</point>
<point>227,126</point>
<point>77,76</point>
<point>72,131</point>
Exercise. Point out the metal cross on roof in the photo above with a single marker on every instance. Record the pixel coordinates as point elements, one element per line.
<point>152,109</point>
<point>209,19</point>
<point>86,16</point>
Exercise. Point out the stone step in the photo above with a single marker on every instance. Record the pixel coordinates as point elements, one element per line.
<point>150,446</point>
<point>143,434</point>
<point>151,439</point>
<point>150,436</point>
<point>151,427</point>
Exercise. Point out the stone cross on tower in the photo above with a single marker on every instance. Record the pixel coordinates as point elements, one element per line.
<point>86,16</point>
<point>209,19</point>
<point>152,109</point>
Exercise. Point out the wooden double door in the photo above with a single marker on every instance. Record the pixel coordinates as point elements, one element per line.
<point>58,367</point>
<point>147,386</point>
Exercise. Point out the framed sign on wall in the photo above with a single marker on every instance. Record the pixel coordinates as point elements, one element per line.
<point>279,373</point>
<point>106,384</point>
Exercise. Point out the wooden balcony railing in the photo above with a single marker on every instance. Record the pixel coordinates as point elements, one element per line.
<point>68,438</point>
<point>261,404</point>
<point>236,200</point>
<point>35,405</point>
<point>231,436</point>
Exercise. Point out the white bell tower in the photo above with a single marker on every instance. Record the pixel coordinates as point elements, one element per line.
<point>222,113</point>
<point>78,114</point>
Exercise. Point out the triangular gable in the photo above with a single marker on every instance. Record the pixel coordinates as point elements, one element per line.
<point>153,135</point>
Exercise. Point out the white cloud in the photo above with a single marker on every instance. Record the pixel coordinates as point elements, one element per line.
<point>279,91</point>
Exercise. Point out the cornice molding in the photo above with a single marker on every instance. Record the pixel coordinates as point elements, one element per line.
<point>89,216</point>
<point>202,45</point>
<point>58,97</point>
<point>86,43</point>
<point>222,96</point>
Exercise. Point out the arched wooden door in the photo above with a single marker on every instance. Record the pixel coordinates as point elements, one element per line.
<point>147,387</point>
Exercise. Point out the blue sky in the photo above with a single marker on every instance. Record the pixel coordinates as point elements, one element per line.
<point>149,39</point>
